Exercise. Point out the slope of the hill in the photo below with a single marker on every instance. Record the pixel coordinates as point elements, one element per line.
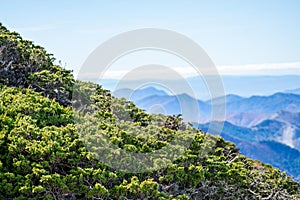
<point>44,151</point>
<point>23,64</point>
<point>274,141</point>
<point>44,158</point>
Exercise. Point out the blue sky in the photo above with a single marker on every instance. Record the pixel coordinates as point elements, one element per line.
<point>241,36</point>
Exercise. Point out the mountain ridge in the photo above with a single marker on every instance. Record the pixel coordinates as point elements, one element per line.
<point>256,142</point>
<point>242,111</point>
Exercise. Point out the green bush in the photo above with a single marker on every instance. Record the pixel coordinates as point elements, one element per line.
<point>23,64</point>
<point>48,149</point>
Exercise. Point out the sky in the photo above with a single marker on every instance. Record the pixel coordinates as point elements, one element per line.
<point>242,37</point>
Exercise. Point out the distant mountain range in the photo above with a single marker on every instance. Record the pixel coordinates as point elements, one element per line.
<point>244,86</point>
<point>266,128</point>
<point>275,141</point>
<point>294,91</point>
<point>240,111</point>
<point>250,111</point>
<point>154,101</point>
<point>139,94</point>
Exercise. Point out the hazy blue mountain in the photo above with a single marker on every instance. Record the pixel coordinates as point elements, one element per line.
<point>170,104</point>
<point>250,111</point>
<point>246,119</point>
<point>266,104</point>
<point>240,85</point>
<point>262,143</point>
<point>283,127</point>
<point>125,92</point>
<point>293,91</point>
<point>291,117</point>
<point>237,132</point>
<point>277,154</point>
<point>183,103</point>
<point>230,98</point>
<point>240,111</point>
<point>135,95</point>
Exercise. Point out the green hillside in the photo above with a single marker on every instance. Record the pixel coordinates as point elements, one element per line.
<point>49,149</point>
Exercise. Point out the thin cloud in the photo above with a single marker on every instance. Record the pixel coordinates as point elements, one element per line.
<point>262,69</point>
<point>269,69</point>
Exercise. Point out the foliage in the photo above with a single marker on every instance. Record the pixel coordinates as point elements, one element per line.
<point>174,122</point>
<point>44,152</point>
<point>24,64</point>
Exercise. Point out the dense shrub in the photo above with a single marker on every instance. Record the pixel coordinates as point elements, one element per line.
<point>44,151</point>
<point>24,64</point>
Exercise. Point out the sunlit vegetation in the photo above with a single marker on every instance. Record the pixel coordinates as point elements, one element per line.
<point>49,148</point>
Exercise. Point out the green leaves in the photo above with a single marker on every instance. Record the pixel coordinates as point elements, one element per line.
<point>44,146</point>
<point>43,156</point>
<point>23,64</point>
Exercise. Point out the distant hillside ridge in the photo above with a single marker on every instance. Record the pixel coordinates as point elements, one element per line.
<point>240,111</point>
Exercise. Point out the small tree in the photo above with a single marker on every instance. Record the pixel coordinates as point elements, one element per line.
<point>174,122</point>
